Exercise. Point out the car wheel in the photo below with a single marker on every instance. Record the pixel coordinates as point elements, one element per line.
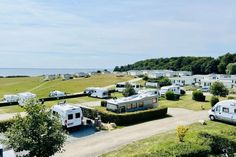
<point>212,117</point>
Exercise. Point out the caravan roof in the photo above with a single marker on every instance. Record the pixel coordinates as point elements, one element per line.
<point>26,94</point>
<point>66,107</point>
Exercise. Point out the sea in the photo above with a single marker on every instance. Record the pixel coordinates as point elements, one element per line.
<point>41,71</point>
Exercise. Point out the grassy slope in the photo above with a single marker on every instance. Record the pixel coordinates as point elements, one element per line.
<point>151,144</point>
<point>42,89</point>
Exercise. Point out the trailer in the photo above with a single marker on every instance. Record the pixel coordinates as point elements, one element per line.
<point>120,87</point>
<point>10,98</point>
<point>70,116</point>
<point>175,89</point>
<point>24,97</point>
<point>137,102</point>
<point>224,111</point>
<point>56,94</point>
<point>100,93</point>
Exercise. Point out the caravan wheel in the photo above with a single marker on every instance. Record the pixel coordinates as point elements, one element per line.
<point>212,117</point>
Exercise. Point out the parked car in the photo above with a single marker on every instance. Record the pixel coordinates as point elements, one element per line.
<point>224,111</point>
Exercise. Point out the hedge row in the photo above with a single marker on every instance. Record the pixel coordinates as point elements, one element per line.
<point>5,124</point>
<point>133,117</point>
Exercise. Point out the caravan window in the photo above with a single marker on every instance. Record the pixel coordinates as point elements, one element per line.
<point>134,105</point>
<point>77,115</point>
<point>154,100</point>
<point>129,106</point>
<point>141,104</point>
<point>70,116</point>
<point>226,110</point>
<point>234,110</point>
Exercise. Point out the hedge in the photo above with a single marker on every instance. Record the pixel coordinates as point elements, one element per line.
<point>198,96</point>
<point>170,95</point>
<point>133,117</point>
<point>5,124</point>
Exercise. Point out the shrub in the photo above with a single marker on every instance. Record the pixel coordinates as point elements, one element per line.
<point>132,117</point>
<point>129,90</point>
<point>181,131</point>
<point>231,97</point>
<point>182,92</point>
<point>214,100</point>
<point>5,124</point>
<point>198,96</point>
<point>104,103</point>
<point>218,89</point>
<point>171,96</point>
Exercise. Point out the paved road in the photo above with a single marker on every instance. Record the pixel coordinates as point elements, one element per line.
<point>99,143</point>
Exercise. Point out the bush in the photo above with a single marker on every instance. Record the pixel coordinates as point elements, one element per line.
<point>181,131</point>
<point>129,90</point>
<point>214,100</point>
<point>5,124</point>
<point>198,96</point>
<point>181,150</point>
<point>171,96</point>
<point>218,89</point>
<point>231,97</point>
<point>182,92</point>
<point>104,103</point>
<point>132,117</point>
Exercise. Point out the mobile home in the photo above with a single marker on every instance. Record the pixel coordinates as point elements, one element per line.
<point>175,89</point>
<point>134,103</point>
<point>120,87</point>
<point>24,97</point>
<point>70,116</point>
<point>98,92</point>
<point>56,94</point>
<point>224,111</point>
<point>10,98</point>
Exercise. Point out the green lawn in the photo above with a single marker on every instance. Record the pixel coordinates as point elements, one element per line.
<point>148,145</point>
<point>42,89</point>
<point>187,103</point>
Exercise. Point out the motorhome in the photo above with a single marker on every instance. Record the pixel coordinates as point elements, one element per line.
<point>120,87</point>
<point>175,89</point>
<point>10,98</point>
<point>24,97</point>
<point>137,102</point>
<point>97,92</point>
<point>70,116</point>
<point>224,111</point>
<point>56,94</point>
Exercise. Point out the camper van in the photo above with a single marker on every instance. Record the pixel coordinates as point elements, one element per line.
<point>56,94</point>
<point>24,97</point>
<point>141,101</point>
<point>175,89</point>
<point>100,93</point>
<point>120,87</point>
<point>224,111</point>
<point>70,116</point>
<point>10,98</point>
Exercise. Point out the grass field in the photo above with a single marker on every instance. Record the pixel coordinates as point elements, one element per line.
<point>42,89</point>
<point>151,144</point>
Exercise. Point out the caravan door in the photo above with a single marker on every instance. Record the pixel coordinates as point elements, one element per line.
<point>218,112</point>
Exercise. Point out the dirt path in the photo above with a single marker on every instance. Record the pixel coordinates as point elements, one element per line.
<point>97,144</point>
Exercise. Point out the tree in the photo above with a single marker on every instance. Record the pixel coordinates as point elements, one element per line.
<point>129,90</point>
<point>38,132</point>
<point>231,68</point>
<point>218,89</point>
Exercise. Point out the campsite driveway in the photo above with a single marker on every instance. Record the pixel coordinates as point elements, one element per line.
<point>102,142</point>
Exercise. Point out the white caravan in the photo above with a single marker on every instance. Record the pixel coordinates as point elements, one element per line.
<point>24,97</point>
<point>120,87</point>
<point>70,116</point>
<point>224,110</point>
<point>10,98</point>
<point>56,94</point>
<point>100,93</point>
<point>175,89</point>
<point>89,90</point>
<point>149,91</point>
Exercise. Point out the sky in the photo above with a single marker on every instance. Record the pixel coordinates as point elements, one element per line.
<point>106,33</point>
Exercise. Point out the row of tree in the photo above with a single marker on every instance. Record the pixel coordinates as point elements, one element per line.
<point>198,65</point>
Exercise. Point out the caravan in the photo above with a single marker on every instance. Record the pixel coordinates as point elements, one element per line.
<point>175,89</point>
<point>56,94</point>
<point>120,87</point>
<point>224,110</point>
<point>10,98</point>
<point>97,92</point>
<point>70,116</point>
<point>24,97</point>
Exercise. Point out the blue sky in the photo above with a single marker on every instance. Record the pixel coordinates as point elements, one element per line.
<point>105,33</point>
